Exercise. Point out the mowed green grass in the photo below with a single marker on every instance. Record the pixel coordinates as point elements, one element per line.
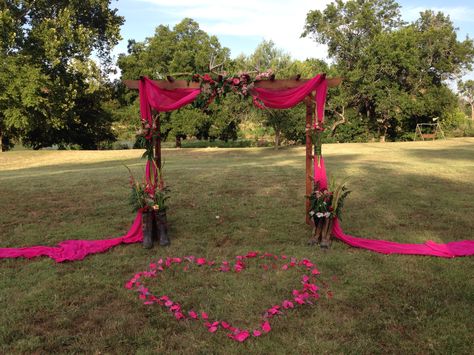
<point>405,192</point>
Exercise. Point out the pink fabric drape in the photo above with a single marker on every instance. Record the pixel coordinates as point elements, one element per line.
<point>162,100</point>
<point>320,176</point>
<point>71,250</point>
<point>430,248</point>
<point>288,98</point>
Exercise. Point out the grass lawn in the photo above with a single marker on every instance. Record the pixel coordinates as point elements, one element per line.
<point>405,192</point>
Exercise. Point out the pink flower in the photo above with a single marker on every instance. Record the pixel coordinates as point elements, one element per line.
<point>312,287</point>
<point>204,315</point>
<point>287,304</point>
<point>168,303</point>
<point>242,336</point>
<point>305,278</point>
<point>284,267</point>
<point>193,314</point>
<point>256,333</point>
<point>266,327</point>
<point>239,266</point>
<point>236,81</point>
<point>207,78</point>
<point>200,261</point>
<point>299,300</point>
<point>212,327</point>
<point>179,315</point>
<point>225,325</point>
<point>315,272</point>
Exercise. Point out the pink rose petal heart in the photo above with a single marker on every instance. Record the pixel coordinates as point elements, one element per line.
<point>300,297</point>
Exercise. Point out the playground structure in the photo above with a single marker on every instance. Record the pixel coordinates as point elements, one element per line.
<point>425,131</point>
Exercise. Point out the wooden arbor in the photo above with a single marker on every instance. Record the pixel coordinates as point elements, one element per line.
<point>310,103</point>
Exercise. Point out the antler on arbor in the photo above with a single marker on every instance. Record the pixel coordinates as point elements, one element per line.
<point>213,65</point>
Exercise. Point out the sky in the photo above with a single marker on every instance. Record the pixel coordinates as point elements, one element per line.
<point>241,25</point>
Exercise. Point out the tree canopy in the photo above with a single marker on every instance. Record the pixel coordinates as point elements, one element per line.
<point>52,88</point>
<point>395,73</point>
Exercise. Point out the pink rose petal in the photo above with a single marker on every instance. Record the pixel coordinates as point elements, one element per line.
<point>204,315</point>
<point>242,336</point>
<point>200,261</point>
<point>256,333</point>
<point>315,272</point>
<point>266,327</point>
<point>193,314</point>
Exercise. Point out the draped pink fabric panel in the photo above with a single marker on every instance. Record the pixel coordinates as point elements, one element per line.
<point>320,173</point>
<point>162,100</point>
<point>288,98</point>
<point>71,250</point>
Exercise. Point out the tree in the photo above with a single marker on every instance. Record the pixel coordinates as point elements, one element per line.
<point>394,72</point>
<point>184,49</point>
<point>466,89</point>
<point>53,42</point>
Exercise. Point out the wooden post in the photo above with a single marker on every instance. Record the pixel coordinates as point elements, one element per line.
<point>309,120</point>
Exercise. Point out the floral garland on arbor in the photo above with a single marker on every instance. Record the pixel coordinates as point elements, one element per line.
<point>217,86</point>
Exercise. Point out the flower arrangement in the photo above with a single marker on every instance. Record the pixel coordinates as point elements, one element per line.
<point>218,86</point>
<point>325,205</point>
<point>145,197</point>
<point>328,203</point>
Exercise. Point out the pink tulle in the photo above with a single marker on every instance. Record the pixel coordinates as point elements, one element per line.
<point>448,250</point>
<point>320,172</point>
<point>71,250</point>
<point>287,98</point>
<point>162,100</point>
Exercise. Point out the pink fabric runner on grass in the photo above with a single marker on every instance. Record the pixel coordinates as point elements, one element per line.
<point>71,250</point>
<point>430,248</point>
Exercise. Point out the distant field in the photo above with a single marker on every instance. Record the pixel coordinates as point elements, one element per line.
<point>405,192</point>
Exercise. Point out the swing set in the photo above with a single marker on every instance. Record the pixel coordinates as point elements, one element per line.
<point>425,131</point>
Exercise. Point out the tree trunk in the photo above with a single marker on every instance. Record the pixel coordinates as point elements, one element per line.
<point>277,138</point>
<point>178,142</point>
<point>338,122</point>
<point>1,141</point>
<point>472,112</point>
